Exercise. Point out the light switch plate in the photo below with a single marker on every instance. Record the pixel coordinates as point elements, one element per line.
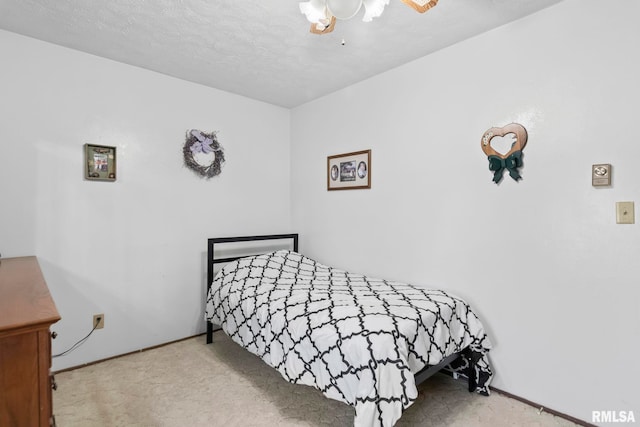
<point>625,213</point>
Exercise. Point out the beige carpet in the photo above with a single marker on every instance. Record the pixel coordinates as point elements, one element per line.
<point>193,384</point>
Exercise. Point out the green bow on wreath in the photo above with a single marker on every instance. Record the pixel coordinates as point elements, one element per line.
<point>511,163</point>
<point>512,159</point>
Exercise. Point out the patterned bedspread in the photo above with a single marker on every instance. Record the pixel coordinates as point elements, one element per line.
<point>357,339</point>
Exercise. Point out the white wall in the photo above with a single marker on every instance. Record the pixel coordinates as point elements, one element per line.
<point>134,249</point>
<point>542,261</point>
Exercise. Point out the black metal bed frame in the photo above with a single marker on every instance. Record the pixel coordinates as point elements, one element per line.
<point>420,377</point>
<point>212,260</point>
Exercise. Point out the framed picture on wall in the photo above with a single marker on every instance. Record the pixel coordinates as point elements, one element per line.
<point>349,171</point>
<point>99,162</point>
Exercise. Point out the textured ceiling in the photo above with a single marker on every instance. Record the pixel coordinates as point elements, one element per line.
<point>259,49</point>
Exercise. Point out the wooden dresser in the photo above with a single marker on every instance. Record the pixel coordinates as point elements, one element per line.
<point>26,313</point>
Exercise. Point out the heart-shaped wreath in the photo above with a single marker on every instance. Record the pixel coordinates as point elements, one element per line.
<point>510,161</point>
<point>201,144</point>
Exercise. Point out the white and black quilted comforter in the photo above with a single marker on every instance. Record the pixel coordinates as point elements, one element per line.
<point>357,339</point>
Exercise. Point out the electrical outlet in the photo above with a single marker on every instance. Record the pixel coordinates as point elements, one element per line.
<point>98,321</point>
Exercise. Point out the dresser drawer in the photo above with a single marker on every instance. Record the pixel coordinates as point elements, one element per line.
<point>27,312</point>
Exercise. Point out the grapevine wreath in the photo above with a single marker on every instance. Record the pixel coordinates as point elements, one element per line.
<point>201,142</point>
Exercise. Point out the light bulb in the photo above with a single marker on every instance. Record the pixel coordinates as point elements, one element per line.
<point>344,9</point>
<point>373,9</point>
<point>315,11</point>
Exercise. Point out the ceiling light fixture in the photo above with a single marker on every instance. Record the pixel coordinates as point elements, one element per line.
<point>323,13</point>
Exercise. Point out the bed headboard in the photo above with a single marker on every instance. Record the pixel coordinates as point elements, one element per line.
<point>211,260</point>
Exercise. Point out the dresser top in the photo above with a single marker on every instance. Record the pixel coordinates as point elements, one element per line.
<point>25,300</point>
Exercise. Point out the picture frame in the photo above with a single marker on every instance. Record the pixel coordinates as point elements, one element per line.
<point>349,171</point>
<point>99,162</point>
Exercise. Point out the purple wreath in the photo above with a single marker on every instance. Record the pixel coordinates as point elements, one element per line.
<point>201,142</point>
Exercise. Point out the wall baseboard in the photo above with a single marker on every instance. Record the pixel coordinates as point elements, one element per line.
<point>72,368</point>
<point>542,408</point>
<point>537,406</point>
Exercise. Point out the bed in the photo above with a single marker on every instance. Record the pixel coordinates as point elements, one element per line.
<point>364,341</point>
